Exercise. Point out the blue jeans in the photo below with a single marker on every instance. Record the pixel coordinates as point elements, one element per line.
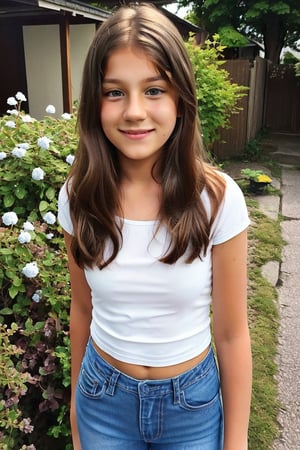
<point>117,412</point>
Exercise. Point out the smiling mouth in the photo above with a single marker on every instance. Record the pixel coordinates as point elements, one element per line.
<point>136,134</point>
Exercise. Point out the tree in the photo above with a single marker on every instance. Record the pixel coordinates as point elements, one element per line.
<point>275,23</point>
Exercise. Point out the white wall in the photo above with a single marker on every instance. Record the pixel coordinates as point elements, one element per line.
<point>81,37</point>
<point>43,68</point>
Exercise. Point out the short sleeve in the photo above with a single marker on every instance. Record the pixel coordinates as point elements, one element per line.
<point>64,217</point>
<point>232,217</point>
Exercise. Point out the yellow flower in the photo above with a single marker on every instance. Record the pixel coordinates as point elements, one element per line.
<point>264,179</point>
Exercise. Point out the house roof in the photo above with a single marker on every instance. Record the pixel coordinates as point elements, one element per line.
<point>79,11</point>
<point>112,3</point>
<point>17,8</point>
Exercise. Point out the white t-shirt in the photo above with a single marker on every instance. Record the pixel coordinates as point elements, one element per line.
<point>147,312</point>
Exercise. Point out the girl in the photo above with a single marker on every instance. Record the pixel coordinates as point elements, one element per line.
<point>154,235</point>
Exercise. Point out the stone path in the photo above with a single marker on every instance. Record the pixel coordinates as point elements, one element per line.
<point>288,358</point>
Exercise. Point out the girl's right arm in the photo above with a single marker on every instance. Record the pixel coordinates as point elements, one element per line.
<point>80,319</point>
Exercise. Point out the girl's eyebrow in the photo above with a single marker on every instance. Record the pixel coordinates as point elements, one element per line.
<point>146,80</point>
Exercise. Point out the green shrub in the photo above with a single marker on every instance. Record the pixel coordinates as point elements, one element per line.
<point>34,283</point>
<point>217,95</point>
<point>290,58</point>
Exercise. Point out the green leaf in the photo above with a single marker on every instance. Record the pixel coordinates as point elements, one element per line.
<point>20,192</point>
<point>9,200</point>
<point>17,282</point>
<point>6,251</point>
<point>13,291</point>
<point>50,193</point>
<point>43,206</point>
<point>6,311</point>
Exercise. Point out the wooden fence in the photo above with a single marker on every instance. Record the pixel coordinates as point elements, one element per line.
<point>245,125</point>
<point>282,112</point>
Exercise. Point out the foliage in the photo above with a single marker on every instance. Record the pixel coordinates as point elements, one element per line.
<point>231,37</point>
<point>266,243</point>
<point>217,95</point>
<point>34,285</point>
<point>290,58</point>
<point>10,393</point>
<point>256,175</point>
<point>275,23</point>
<point>297,69</point>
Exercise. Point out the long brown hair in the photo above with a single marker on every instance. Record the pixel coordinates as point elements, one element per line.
<point>95,174</point>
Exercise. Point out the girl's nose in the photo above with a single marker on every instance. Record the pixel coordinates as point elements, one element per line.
<point>135,108</point>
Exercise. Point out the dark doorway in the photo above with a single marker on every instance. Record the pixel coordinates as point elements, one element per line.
<point>13,74</point>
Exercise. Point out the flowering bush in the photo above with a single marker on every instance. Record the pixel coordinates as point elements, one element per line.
<point>35,157</point>
<point>217,96</point>
<point>258,180</point>
<point>256,175</point>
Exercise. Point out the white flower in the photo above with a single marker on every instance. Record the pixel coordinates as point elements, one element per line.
<point>27,118</point>
<point>66,116</point>
<point>49,218</point>
<point>19,152</point>
<point>20,97</point>
<point>37,296</point>
<point>2,155</point>
<point>30,270</point>
<point>13,112</point>
<point>37,174</point>
<point>10,124</point>
<point>10,218</point>
<point>11,101</point>
<point>24,145</point>
<point>24,237</point>
<point>44,142</point>
<point>70,159</point>
<point>49,236</point>
<point>28,226</point>
<point>50,109</point>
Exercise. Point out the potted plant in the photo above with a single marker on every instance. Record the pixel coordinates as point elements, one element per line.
<point>258,180</point>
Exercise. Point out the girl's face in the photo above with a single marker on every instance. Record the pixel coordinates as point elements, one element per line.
<point>138,111</point>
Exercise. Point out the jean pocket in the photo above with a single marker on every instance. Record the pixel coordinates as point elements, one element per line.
<point>90,382</point>
<point>201,394</point>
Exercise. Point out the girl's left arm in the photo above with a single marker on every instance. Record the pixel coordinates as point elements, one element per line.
<point>231,336</point>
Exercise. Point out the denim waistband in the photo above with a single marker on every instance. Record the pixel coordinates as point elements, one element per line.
<point>161,386</point>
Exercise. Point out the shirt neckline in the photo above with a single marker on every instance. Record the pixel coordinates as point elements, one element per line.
<point>137,222</point>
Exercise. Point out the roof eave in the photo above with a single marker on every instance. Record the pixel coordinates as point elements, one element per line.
<point>74,7</point>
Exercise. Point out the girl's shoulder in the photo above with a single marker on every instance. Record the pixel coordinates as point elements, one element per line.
<point>232,214</point>
<point>215,178</point>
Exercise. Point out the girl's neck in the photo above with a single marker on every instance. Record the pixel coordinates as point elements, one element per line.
<point>144,172</point>
<point>140,198</point>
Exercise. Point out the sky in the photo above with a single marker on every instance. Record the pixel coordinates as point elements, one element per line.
<point>173,9</point>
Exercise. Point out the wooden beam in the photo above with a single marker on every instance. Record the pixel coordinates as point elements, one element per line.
<point>65,50</point>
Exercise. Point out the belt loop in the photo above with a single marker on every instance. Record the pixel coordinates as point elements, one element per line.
<point>176,390</point>
<point>112,382</point>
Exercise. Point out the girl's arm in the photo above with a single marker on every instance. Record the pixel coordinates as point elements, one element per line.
<point>80,319</point>
<point>231,335</point>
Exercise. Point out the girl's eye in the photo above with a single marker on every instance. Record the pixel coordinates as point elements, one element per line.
<point>114,93</point>
<point>155,91</point>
